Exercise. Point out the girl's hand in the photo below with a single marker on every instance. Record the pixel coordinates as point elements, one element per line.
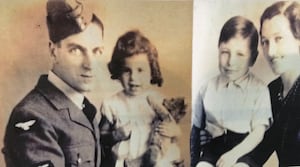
<point>169,129</point>
<point>228,159</point>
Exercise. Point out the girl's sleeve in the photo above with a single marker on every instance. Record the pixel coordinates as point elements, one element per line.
<point>110,135</point>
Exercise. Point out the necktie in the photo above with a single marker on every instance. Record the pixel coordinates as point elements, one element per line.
<point>89,110</point>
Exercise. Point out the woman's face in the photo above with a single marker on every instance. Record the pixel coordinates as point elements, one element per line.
<point>280,47</point>
<point>136,75</point>
<point>234,57</point>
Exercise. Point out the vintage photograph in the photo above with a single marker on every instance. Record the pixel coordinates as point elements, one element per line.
<point>96,83</point>
<point>245,94</point>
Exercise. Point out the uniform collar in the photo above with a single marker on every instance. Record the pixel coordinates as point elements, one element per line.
<point>72,94</point>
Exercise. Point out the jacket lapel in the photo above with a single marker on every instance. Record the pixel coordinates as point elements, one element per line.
<point>78,116</point>
<point>61,102</point>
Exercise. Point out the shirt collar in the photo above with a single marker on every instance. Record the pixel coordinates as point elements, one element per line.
<point>240,82</point>
<point>72,94</point>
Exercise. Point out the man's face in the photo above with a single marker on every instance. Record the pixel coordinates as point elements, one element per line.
<point>77,56</point>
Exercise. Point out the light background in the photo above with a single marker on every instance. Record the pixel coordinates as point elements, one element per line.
<point>24,48</point>
<point>209,17</point>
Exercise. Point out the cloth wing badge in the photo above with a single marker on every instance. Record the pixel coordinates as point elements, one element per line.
<point>25,125</point>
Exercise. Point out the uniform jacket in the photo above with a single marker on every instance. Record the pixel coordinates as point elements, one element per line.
<point>284,135</point>
<point>47,129</point>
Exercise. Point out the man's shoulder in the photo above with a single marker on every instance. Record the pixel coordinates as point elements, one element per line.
<point>34,101</point>
<point>39,100</point>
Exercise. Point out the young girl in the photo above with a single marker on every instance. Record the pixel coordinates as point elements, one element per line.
<point>235,104</point>
<point>128,115</point>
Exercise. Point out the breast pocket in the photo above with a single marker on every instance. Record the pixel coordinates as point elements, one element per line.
<point>80,156</point>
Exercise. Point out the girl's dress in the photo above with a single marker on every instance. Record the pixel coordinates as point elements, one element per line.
<point>120,110</point>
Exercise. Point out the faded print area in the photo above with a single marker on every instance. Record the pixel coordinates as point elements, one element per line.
<point>24,49</point>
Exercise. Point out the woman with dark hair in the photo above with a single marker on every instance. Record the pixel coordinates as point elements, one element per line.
<point>280,40</point>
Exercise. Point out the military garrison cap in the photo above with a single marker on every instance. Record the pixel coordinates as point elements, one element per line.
<point>67,17</point>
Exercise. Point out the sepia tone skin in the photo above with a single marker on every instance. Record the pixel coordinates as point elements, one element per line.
<point>136,75</point>
<point>26,47</point>
<point>76,58</point>
<point>135,80</point>
<point>134,63</point>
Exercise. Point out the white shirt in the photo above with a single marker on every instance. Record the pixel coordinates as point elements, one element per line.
<point>72,94</point>
<point>238,106</point>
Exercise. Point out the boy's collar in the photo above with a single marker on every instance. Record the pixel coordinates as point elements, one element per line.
<point>241,82</point>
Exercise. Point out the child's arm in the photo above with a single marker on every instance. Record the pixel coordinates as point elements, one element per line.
<point>261,120</point>
<point>110,135</point>
<point>247,145</point>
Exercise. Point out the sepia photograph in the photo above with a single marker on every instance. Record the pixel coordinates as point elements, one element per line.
<point>96,83</point>
<point>245,83</point>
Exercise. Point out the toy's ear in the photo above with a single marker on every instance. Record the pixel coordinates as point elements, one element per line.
<point>161,111</point>
<point>176,107</point>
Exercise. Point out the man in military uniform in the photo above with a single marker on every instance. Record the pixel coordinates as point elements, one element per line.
<point>55,125</point>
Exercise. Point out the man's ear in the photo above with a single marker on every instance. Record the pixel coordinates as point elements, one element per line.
<point>53,51</point>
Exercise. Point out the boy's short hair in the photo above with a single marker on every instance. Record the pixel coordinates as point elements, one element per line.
<point>291,10</point>
<point>130,44</point>
<point>239,25</point>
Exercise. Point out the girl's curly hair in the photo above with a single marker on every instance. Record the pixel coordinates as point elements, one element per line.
<point>130,44</point>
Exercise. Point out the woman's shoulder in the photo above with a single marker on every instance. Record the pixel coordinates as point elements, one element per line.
<point>275,83</point>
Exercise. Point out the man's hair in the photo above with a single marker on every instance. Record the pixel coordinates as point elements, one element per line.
<point>130,44</point>
<point>291,10</point>
<point>239,25</point>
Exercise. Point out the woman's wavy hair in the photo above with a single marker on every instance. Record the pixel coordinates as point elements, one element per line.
<point>291,10</point>
<point>132,43</point>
